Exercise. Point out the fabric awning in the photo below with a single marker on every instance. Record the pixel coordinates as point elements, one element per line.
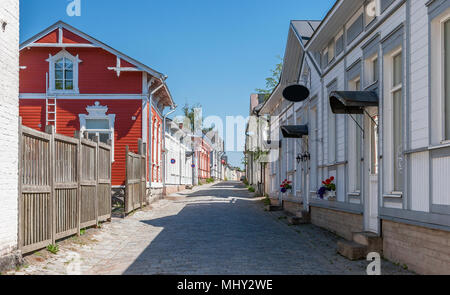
<point>296,131</point>
<point>352,102</point>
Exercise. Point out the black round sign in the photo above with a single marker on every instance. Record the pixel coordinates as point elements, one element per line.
<point>296,93</point>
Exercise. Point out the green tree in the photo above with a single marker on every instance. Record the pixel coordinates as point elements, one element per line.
<point>272,81</point>
<point>189,114</point>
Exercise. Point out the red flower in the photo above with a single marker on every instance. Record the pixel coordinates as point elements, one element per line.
<point>332,178</point>
<point>328,182</point>
<point>323,182</point>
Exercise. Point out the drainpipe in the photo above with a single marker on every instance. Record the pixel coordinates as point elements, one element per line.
<point>172,109</point>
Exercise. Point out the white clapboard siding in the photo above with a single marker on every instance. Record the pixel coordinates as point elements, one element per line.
<point>440,182</point>
<point>420,200</point>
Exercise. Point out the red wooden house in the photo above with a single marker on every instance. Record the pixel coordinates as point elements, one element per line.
<point>203,148</point>
<point>75,82</point>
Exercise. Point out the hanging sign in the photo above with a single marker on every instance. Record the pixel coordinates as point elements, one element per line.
<point>173,161</point>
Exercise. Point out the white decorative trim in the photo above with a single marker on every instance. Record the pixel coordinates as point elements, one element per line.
<point>98,112</point>
<point>84,96</point>
<point>51,60</point>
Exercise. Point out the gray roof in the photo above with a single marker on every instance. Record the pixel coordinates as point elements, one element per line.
<point>305,28</point>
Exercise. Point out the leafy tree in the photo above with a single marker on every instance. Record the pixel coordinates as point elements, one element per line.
<point>272,81</point>
<point>189,113</point>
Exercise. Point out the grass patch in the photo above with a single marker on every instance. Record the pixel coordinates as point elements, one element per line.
<point>54,249</point>
<point>82,232</point>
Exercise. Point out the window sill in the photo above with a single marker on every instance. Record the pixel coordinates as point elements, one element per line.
<point>354,194</point>
<point>393,195</point>
<point>443,144</point>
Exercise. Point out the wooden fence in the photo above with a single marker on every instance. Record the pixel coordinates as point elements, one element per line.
<point>135,186</point>
<point>65,185</point>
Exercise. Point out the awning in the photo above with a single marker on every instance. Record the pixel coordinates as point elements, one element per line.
<point>352,102</point>
<point>296,131</point>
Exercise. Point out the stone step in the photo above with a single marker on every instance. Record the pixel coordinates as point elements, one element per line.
<point>273,208</point>
<point>372,241</point>
<point>304,215</point>
<point>294,220</point>
<point>352,250</point>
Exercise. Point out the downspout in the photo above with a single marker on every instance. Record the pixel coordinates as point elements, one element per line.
<point>172,109</point>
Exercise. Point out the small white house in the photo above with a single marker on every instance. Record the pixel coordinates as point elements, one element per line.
<point>377,120</point>
<point>9,119</point>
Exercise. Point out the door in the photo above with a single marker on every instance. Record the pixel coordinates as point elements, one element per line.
<point>371,220</point>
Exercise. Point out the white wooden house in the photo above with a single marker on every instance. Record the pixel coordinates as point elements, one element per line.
<point>9,137</point>
<point>389,155</point>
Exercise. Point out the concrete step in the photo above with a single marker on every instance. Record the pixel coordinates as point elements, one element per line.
<point>352,250</point>
<point>372,241</point>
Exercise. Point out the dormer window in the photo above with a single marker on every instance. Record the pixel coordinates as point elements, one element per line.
<point>63,73</point>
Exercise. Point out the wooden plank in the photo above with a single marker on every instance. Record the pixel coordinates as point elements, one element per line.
<point>36,189</point>
<point>51,130</point>
<point>78,136</point>
<point>36,134</point>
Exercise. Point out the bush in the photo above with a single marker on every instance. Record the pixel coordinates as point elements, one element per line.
<point>210,180</point>
<point>251,189</point>
<point>53,249</point>
<point>266,201</point>
<point>245,181</point>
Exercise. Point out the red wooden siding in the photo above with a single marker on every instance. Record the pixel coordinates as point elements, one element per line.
<point>69,37</point>
<point>32,112</point>
<point>51,37</point>
<point>94,76</point>
<point>127,131</point>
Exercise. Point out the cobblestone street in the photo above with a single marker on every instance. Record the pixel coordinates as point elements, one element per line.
<point>213,229</point>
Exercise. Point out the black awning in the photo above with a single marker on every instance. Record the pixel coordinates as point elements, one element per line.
<point>352,102</point>
<point>296,131</point>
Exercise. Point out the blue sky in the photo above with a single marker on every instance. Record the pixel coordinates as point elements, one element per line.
<point>214,52</point>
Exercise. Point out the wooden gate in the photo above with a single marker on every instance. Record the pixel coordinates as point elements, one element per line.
<point>63,186</point>
<point>135,190</point>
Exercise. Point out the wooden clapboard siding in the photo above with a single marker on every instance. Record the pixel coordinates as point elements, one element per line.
<point>32,112</point>
<point>60,190</point>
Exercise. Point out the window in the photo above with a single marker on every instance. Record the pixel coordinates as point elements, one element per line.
<point>98,123</point>
<point>331,52</point>
<point>63,73</point>
<point>372,70</point>
<point>397,119</point>
<point>446,58</point>
<point>355,162</point>
<point>325,58</point>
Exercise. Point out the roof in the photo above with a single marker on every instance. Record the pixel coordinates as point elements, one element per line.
<point>93,43</point>
<point>305,28</point>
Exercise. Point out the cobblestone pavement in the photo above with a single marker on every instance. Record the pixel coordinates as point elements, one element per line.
<point>213,229</point>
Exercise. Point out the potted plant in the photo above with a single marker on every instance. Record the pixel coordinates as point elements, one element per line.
<point>286,186</point>
<point>328,189</point>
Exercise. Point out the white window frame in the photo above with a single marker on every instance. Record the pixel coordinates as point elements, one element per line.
<point>353,185</point>
<point>51,83</point>
<point>370,78</point>
<point>390,89</point>
<point>442,21</point>
<point>98,112</point>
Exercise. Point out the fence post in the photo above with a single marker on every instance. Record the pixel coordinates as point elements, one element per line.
<point>20,200</point>
<point>50,129</point>
<point>78,136</point>
<point>96,140</point>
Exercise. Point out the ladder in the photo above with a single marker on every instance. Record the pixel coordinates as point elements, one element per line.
<point>50,108</point>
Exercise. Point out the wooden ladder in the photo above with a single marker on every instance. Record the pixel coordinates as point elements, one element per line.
<point>50,108</point>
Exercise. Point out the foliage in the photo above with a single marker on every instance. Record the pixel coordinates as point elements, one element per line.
<point>328,185</point>
<point>285,186</point>
<point>251,189</point>
<point>272,81</point>
<point>266,201</point>
<point>210,180</point>
<point>245,181</point>
<point>82,231</point>
<point>189,113</point>
<point>53,249</point>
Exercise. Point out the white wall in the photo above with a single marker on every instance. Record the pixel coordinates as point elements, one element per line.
<point>9,112</point>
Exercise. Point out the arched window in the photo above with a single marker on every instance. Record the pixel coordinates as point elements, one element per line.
<point>63,73</point>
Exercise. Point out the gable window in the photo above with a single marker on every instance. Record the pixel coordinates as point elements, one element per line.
<point>63,73</point>
<point>98,123</point>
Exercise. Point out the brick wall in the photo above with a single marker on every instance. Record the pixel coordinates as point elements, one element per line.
<point>341,223</point>
<point>423,250</point>
<point>9,110</point>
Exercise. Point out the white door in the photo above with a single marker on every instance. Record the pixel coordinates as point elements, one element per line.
<point>371,220</point>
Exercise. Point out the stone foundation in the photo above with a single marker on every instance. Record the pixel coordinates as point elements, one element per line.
<point>10,261</point>
<point>292,207</point>
<point>154,194</point>
<point>422,250</point>
<point>341,223</point>
<point>274,201</point>
<point>170,189</point>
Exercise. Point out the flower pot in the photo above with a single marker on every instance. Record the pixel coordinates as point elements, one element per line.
<point>331,196</point>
